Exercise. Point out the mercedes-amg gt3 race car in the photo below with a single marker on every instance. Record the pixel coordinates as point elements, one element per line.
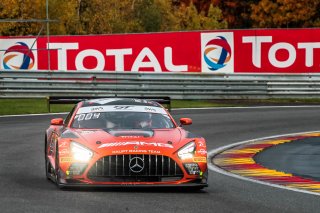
<point>123,142</point>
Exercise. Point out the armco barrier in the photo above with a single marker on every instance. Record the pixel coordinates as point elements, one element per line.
<point>18,84</point>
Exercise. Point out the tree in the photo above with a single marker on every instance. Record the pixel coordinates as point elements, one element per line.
<point>155,15</point>
<point>112,16</point>
<point>66,15</point>
<point>286,13</point>
<point>108,16</point>
<point>23,10</point>
<point>214,19</point>
<point>190,19</point>
<point>237,12</point>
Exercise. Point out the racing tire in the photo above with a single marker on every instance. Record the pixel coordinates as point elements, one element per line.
<point>47,168</point>
<point>47,164</point>
<point>57,169</point>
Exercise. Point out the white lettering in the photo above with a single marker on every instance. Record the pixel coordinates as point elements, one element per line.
<point>90,52</point>
<point>141,143</point>
<point>285,46</point>
<point>119,57</point>
<point>256,42</point>
<point>168,62</point>
<point>62,52</point>
<point>309,51</point>
<point>139,63</point>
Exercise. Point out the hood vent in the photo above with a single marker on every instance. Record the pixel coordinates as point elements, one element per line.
<point>131,133</point>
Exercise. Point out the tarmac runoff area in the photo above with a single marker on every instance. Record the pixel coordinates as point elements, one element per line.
<point>289,161</point>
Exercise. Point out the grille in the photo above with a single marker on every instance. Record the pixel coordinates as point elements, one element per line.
<point>116,168</point>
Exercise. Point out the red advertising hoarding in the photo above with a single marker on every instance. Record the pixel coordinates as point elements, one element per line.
<point>234,51</point>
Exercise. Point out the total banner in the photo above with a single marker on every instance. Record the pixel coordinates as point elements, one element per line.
<point>231,51</point>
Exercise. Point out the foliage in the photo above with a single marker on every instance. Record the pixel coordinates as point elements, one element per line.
<point>21,9</point>
<point>133,16</point>
<point>236,12</point>
<point>286,13</point>
<point>101,16</point>
<point>214,19</point>
<point>190,19</point>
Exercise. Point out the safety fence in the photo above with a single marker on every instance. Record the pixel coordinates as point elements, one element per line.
<point>36,84</point>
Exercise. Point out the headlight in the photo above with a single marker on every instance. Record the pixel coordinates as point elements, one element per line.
<point>187,151</point>
<point>80,153</point>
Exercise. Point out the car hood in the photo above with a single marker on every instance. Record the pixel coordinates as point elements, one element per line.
<point>132,141</point>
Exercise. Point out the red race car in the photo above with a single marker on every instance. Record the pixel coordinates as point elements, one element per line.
<point>123,142</point>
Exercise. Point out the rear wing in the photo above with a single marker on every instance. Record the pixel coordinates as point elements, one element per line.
<point>74,100</point>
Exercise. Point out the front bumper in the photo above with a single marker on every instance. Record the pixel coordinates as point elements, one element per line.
<point>185,185</point>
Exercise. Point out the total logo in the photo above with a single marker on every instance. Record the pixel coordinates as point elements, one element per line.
<point>217,52</point>
<point>16,54</point>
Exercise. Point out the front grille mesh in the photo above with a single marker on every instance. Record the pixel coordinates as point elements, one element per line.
<point>116,168</point>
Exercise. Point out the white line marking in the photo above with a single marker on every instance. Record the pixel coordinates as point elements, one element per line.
<point>251,107</point>
<point>213,167</point>
<point>59,113</point>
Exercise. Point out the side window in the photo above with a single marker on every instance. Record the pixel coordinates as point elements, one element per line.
<point>66,121</point>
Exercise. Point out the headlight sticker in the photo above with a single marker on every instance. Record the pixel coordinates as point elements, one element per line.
<point>200,159</point>
<point>66,159</point>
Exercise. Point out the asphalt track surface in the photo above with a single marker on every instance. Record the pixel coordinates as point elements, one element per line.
<point>300,158</point>
<point>24,188</point>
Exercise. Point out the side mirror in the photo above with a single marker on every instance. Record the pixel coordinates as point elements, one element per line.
<point>57,121</point>
<point>185,121</point>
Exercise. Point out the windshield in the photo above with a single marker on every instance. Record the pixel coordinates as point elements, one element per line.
<point>122,120</point>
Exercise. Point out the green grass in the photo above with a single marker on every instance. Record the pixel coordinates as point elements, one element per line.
<point>29,106</point>
<point>197,104</point>
<point>35,106</point>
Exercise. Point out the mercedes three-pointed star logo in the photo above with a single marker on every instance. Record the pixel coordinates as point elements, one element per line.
<point>136,164</point>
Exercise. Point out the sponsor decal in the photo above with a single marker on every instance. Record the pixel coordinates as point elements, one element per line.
<point>138,143</point>
<point>150,109</point>
<point>202,152</point>
<point>119,108</point>
<point>201,144</point>
<point>200,159</point>
<point>141,58</point>
<point>217,52</point>
<point>87,132</point>
<point>259,45</point>
<point>136,151</point>
<point>96,109</point>
<point>238,51</point>
<point>125,108</point>
<point>16,54</point>
<point>66,159</point>
<point>64,152</point>
<point>63,144</point>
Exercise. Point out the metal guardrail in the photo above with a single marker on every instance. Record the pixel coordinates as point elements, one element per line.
<point>36,84</point>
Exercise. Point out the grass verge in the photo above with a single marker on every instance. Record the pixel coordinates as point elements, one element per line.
<point>35,106</point>
<point>29,106</point>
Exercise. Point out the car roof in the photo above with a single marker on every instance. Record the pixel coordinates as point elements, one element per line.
<point>120,101</point>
